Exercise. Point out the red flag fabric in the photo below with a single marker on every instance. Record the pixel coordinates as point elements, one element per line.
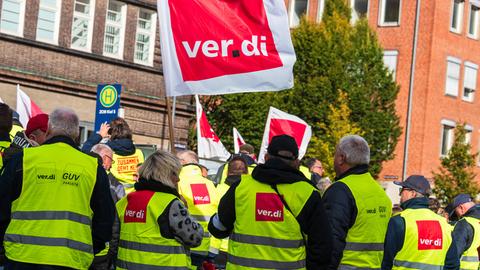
<point>26,108</point>
<point>237,140</point>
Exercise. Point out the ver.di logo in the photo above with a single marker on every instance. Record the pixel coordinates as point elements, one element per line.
<point>108,96</point>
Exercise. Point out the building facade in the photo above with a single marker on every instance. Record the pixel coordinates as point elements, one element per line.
<point>59,51</point>
<point>445,70</point>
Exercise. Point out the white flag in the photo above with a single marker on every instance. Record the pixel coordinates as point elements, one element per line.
<point>237,140</point>
<point>26,108</point>
<point>208,144</point>
<point>279,123</point>
<point>222,47</point>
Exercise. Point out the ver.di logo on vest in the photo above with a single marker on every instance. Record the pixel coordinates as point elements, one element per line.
<point>108,96</point>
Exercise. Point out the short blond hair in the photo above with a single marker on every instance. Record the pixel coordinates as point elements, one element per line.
<point>160,167</point>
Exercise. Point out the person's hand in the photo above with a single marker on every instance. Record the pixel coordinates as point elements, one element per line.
<point>104,130</point>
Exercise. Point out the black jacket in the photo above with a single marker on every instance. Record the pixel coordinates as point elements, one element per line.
<point>342,212</point>
<point>121,147</point>
<point>312,219</point>
<point>463,232</point>
<point>101,203</point>
<point>396,235</point>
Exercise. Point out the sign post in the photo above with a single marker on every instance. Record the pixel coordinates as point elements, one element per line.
<point>108,103</point>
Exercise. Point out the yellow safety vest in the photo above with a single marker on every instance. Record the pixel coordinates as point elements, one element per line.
<point>124,168</point>
<point>469,259</point>
<point>202,200</point>
<point>141,244</point>
<point>306,171</point>
<point>215,243</point>
<point>51,220</point>
<point>3,145</point>
<point>364,242</point>
<point>225,172</point>
<point>266,235</point>
<point>427,239</point>
<point>15,129</point>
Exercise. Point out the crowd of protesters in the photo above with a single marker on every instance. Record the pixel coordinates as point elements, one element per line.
<point>107,206</point>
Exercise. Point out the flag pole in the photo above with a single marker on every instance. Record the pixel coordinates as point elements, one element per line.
<point>170,125</point>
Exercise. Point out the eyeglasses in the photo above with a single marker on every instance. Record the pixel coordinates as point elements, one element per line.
<point>111,159</point>
<point>402,189</point>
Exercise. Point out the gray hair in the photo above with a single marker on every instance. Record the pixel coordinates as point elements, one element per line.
<point>63,121</point>
<point>160,167</point>
<point>101,149</point>
<point>355,149</point>
<point>187,156</point>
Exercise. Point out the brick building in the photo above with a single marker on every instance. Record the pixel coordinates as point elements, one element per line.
<point>58,51</point>
<point>445,72</point>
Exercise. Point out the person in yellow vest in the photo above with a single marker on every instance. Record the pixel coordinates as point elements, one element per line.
<point>358,208</point>
<point>16,125</point>
<point>156,228</point>
<point>55,207</point>
<point>275,218</point>
<point>126,156</point>
<point>5,128</point>
<point>418,238</point>
<point>202,201</point>
<point>466,234</point>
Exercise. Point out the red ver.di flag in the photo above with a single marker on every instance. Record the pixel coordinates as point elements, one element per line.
<point>208,144</point>
<point>220,47</point>
<point>279,123</point>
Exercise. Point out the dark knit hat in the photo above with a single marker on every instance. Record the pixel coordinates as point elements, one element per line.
<point>283,146</point>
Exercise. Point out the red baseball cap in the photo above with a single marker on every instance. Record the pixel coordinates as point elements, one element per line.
<point>39,121</point>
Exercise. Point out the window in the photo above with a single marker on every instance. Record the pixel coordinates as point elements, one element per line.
<point>448,128</point>
<point>320,8</point>
<point>12,17</point>
<point>115,29</point>
<point>48,21</point>
<point>457,16</point>
<point>390,61</point>
<point>298,8</point>
<point>145,39</point>
<point>469,81</point>
<point>468,134</point>
<point>86,130</point>
<point>82,26</point>
<point>390,12</point>
<point>473,20</point>
<point>359,9</point>
<point>453,76</point>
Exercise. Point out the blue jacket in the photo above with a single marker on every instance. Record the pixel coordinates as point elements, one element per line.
<point>463,232</point>
<point>122,147</point>
<point>396,236</point>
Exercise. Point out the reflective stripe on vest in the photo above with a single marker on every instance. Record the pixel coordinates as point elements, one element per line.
<point>469,259</point>
<point>364,248</point>
<point>51,219</point>
<point>349,267</point>
<point>124,168</point>
<point>267,235</point>
<point>141,244</point>
<point>202,200</point>
<point>426,242</point>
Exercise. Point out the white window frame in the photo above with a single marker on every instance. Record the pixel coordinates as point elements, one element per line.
<point>381,16</point>
<point>21,19</point>
<point>151,33</point>
<point>451,136</point>
<point>393,53</point>
<point>90,17</point>
<point>58,11</point>
<point>469,65</point>
<point>459,63</point>
<point>468,134</point>
<point>354,16</point>
<point>121,24</point>
<point>459,21</point>
<point>292,11</point>
<point>474,4</point>
<point>320,10</point>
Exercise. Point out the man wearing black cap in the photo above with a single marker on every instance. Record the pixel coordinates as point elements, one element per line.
<point>418,238</point>
<point>275,217</point>
<point>466,234</point>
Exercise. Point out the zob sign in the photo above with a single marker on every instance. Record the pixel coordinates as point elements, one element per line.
<point>108,103</point>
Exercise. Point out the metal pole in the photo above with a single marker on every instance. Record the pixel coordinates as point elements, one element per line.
<point>170,125</point>
<point>410,91</point>
<point>174,110</point>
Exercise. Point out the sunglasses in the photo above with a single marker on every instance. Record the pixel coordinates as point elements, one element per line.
<point>402,189</point>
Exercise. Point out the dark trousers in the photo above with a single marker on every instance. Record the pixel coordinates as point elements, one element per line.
<point>13,265</point>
